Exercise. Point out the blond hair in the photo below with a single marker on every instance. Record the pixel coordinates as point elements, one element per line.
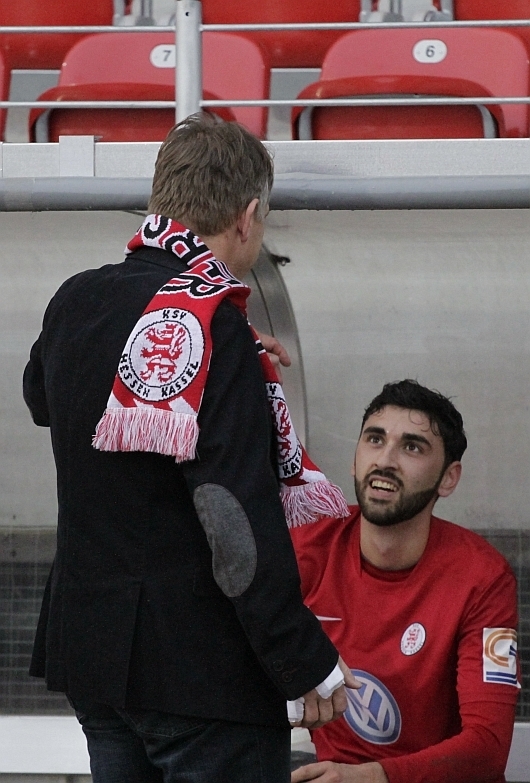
<point>207,172</point>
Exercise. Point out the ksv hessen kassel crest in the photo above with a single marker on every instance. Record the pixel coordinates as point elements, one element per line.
<point>164,354</point>
<point>289,448</point>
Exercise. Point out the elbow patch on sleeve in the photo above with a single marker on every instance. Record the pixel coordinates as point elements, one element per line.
<point>234,556</point>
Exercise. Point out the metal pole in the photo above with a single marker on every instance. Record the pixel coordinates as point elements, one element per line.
<point>447,8</point>
<point>188,60</point>
<point>30,194</point>
<point>146,13</point>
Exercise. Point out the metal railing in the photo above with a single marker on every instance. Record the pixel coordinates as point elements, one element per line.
<point>188,30</point>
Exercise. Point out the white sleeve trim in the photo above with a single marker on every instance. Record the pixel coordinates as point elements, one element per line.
<point>331,683</point>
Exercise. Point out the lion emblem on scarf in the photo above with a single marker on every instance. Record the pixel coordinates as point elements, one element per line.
<point>289,447</point>
<point>163,355</point>
<point>164,351</point>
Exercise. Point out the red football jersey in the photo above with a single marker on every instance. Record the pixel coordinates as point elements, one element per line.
<point>434,648</point>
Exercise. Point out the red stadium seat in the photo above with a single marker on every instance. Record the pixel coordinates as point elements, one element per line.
<point>4,93</point>
<point>41,50</point>
<point>285,49</point>
<point>437,62</point>
<point>140,66</point>
<point>468,10</point>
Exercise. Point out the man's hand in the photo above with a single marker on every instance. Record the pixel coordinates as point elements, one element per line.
<point>349,679</point>
<point>276,352</point>
<point>330,772</point>
<point>319,711</point>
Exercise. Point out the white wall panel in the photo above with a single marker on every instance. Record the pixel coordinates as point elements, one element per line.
<point>441,296</point>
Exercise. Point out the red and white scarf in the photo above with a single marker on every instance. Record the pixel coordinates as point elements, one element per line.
<point>162,373</point>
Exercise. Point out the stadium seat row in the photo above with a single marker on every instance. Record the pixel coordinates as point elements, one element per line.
<point>284,49</point>
<point>400,62</point>
<point>136,66</point>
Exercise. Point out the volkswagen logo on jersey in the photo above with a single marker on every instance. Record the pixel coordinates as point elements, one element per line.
<point>372,711</point>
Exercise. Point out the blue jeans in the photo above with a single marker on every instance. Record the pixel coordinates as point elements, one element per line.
<point>142,746</point>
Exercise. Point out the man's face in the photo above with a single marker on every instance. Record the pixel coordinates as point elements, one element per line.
<point>398,466</point>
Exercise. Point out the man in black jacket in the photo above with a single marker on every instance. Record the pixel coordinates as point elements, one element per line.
<point>178,667</point>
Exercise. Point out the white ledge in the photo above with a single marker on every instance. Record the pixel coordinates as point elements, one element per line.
<point>404,174</point>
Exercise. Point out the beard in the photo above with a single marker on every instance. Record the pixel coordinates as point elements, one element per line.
<point>409,504</point>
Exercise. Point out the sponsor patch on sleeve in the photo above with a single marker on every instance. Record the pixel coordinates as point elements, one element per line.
<point>499,656</point>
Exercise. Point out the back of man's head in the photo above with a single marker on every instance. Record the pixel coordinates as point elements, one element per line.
<point>207,173</point>
<point>443,417</point>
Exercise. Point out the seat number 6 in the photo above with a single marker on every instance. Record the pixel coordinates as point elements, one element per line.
<point>429,50</point>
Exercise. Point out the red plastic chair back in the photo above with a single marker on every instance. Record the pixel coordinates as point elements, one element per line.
<point>491,9</point>
<point>285,49</point>
<point>140,66</point>
<point>4,94</point>
<point>112,125</point>
<point>394,62</point>
<point>470,10</point>
<point>40,50</point>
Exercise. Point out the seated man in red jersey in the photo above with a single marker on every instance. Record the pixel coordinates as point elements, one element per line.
<point>426,609</point>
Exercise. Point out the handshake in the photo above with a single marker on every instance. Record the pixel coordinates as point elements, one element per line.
<point>326,702</point>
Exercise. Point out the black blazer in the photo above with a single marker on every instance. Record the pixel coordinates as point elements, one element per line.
<point>132,615</point>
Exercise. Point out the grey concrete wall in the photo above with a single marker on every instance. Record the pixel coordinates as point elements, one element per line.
<point>439,296</point>
<point>37,253</point>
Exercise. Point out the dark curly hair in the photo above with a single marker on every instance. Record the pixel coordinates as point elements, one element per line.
<point>444,418</point>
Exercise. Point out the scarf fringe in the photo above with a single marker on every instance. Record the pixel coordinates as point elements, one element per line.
<point>148,429</point>
<point>306,503</point>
